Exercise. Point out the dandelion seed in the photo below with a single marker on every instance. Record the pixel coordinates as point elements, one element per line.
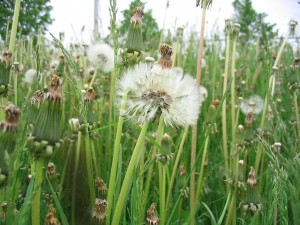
<point>203,93</point>
<point>51,169</point>
<point>53,65</point>
<point>152,93</point>
<point>50,217</point>
<point>101,55</point>
<point>251,181</point>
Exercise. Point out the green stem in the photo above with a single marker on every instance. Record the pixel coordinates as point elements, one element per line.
<point>75,177</point>
<point>224,119</point>
<point>174,170</point>
<point>297,113</point>
<point>93,79</point>
<point>89,164</point>
<point>195,128</point>
<point>162,194</point>
<point>233,97</point>
<point>127,179</point>
<point>114,166</point>
<point>13,35</point>
<point>36,201</point>
<point>200,180</point>
<point>16,87</point>
<point>159,134</point>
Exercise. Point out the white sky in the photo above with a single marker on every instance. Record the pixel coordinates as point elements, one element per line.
<point>71,15</point>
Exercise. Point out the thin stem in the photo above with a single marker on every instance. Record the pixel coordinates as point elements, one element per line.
<point>159,134</point>
<point>233,97</point>
<point>75,177</point>
<point>200,180</point>
<point>114,166</point>
<point>127,179</point>
<point>224,120</point>
<point>36,201</point>
<point>174,170</point>
<point>14,28</point>
<point>93,79</point>
<point>297,113</point>
<point>194,130</point>
<point>89,166</point>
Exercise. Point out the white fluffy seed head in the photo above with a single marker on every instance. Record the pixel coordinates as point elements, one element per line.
<point>29,76</point>
<point>101,56</point>
<point>152,91</point>
<point>203,93</point>
<point>254,104</point>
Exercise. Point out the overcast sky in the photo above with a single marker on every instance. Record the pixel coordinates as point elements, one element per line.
<point>71,15</point>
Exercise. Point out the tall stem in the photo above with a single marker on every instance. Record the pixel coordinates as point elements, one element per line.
<point>174,170</point>
<point>14,28</point>
<point>114,166</point>
<point>224,113</point>
<point>36,201</point>
<point>127,179</point>
<point>195,128</point>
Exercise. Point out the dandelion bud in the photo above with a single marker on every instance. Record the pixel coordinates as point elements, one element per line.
<point>47,128</point>
<point>5,66</point>
<point>8,133</point>
<point>99,210</point>
<point>134,37</point>
<point>235,31</point>
<point>74,124</point>
<point>228,26</point>
<point>101,185</point>
<point>166,52</point>
<point>152,218</point>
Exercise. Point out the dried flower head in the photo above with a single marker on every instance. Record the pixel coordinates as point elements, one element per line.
<point>51,169</point>
<point>99,210</point>
<point>251,181</point>
<point>6,57</point>
<point>166,52</point>
<point>50,217</point>
<point>101,56</point>
<point>137,16</point>
<point>4,210</point>
<point>254,104</point>
<point>101,185</point>
<point>89,95</point>
<point>55,89</point>
<point>155,92</point>
<point>12,117</point>
<point>152,219</point>
<point>181,169</point>
<point>38,98</point>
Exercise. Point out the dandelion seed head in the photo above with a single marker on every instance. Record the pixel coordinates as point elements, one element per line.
<point>29,76</point>
<point>254,104</point>
<point>54,65</point>
<point>203,93</point>
<point>155,91</point>
<point>101,55</point>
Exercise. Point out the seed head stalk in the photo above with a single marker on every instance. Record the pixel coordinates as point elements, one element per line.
<point>113,172</point>
<point>194,129</point>
<point>121,203</point>
<point>36,201</point>
<point>224,119</point>
<point>174,170</point>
